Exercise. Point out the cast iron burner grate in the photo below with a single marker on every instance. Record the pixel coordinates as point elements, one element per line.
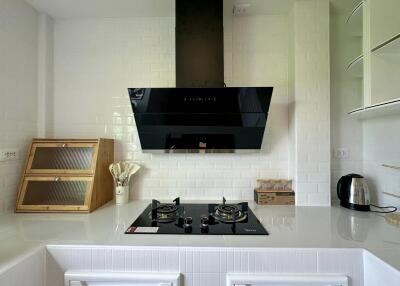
<point>230,213</point>
<point>165,213</point>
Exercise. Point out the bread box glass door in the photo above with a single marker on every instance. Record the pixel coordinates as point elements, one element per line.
<point>62,157</point>
<point>55,194</point>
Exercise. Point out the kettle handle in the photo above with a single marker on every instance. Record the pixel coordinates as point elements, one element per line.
<point>339,184</point>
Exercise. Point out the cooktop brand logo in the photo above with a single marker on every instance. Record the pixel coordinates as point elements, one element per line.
<point>250,230</point>
<point>199,99</point>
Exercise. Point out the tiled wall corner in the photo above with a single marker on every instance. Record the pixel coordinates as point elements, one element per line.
<point>311,100</point>
<point>18,91</point>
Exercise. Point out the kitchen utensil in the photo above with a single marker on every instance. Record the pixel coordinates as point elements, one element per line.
<point>122,172</point>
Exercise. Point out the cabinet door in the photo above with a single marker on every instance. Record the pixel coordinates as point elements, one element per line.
<point>385,21</point>
<point>55,194</point>
<point>286,280</point>
<point>62,157</point>
<point>77,278</point>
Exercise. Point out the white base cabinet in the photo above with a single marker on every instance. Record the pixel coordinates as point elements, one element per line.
<point>121,279</point>
<point>285,280</point>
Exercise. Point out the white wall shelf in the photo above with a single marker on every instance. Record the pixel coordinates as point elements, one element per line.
<point>355,20</point>
<point>377,110</point>
<point>355,67</point>
<point>391,46</point>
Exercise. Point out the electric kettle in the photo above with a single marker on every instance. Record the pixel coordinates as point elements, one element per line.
<point>353,192</point>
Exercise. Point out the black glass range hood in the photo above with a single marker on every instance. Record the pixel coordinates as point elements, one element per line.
<point>200,120</point>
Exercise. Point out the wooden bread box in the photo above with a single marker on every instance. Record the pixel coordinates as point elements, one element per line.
<point>274,192</point>
<point>66,175</point>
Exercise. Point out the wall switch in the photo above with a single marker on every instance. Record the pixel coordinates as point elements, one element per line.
<point>241,9</point>
<point>8,155</point>
<point>341,153</point>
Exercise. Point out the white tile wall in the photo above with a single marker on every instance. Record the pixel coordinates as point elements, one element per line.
<point>310,133</point>
<point>18,90</point>
<point>346,95</point>
<point>96,60</point>
<point>208,266</point>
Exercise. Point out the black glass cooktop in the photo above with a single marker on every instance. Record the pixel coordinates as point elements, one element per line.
<point>197,219</point>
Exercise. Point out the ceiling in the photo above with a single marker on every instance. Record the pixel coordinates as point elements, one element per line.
<point>72,9</point>
<point>267,7</point>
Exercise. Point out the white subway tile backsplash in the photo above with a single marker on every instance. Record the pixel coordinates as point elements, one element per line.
<point>310,134</point>
<point>152,63</point>
<point>141,52</point>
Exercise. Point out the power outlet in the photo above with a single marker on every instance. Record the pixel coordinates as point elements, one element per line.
<point>8,155</point>
<point>341,153</point>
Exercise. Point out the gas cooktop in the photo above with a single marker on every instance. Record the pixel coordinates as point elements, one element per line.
<point>199,219</point>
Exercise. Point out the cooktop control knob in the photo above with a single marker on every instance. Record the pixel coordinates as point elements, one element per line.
<point>187,224</point>
<point>204,221</point>
<point>187,221</point>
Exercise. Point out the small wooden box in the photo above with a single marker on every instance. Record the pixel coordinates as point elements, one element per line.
<point>66,176</point>
<point>272,197</point>
<point>274,192</point>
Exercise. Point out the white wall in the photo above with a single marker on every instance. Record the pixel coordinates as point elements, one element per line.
<point>346,94</point>
<point>45,75</point>
<point>310,103</point>
<point>381,146</point>
<point>377,273</point>
<point>370,143</point>
<point>18,90</point>
<point>28,269</point>
<point>96,60</point>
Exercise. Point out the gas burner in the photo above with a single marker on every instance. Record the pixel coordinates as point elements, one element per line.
<point>231,213</point>
<point>164,213</point>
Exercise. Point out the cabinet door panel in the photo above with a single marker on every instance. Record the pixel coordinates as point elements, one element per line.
<point>77,278</point>
<point>55,194</point>
<point>286,280</point>
<point>65,157</point>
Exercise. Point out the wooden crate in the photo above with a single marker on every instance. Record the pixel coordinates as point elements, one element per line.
<point>274,192</point>
<point>66,175</point>
<point>272,197</point>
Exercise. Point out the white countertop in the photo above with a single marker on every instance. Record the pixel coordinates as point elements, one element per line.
<point>289,227</point>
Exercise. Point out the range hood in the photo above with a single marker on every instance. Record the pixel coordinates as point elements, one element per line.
<point>200,115</point>
<point>205,120</point>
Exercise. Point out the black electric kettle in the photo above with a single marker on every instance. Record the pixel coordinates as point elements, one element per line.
<point>353,192</point>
